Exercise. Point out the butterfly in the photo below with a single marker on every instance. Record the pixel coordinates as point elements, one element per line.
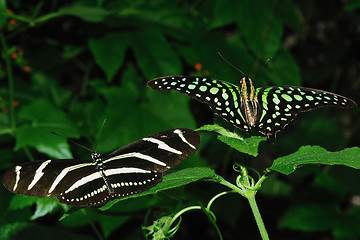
<point>129,170</point>
<point>268,110</point>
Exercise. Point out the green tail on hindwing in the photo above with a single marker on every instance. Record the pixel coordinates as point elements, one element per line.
<point>267,110</point>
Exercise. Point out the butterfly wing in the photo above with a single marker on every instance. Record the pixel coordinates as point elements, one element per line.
<point>57,178</point>
<point>223,98</point>
<point>280,105</point>
<point>140,165</point>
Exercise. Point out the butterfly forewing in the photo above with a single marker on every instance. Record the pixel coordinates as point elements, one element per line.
<point>222,97</point>
<point>129,170</point>
<point>280,105</point>
<point>158,152</point>
<point>40,178</point>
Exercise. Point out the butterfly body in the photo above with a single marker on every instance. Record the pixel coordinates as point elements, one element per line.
<point>268,110</point>
<point>129,170</point>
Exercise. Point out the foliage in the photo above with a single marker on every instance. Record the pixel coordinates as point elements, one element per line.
<point>67,65</point>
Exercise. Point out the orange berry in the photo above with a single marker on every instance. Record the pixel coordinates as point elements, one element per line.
<point>27,69</point>
<point>206,72</point>
<point>15,103</point>
<point>14,55</point>
<point>12,21</point>
<point>198,66</point>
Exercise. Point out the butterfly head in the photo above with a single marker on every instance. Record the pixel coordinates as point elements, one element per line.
<point>95,157</point>
<point>247,89</point>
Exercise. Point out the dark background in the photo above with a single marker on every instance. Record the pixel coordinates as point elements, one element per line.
<point>67,65</point>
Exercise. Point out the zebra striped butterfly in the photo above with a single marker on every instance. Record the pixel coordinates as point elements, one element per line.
<point>129,170</point>
<point>267,110</point>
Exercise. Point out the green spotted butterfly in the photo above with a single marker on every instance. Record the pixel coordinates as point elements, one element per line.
<point>267,110</point>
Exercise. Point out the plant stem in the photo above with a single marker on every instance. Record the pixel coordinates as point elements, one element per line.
<point>251,198</point>
<point>249,193</point>
<point>92,225</point>
<point>216,197</point>
<point>10,80</point>
<point>210,215</point>
<point>230,185</point>
<point>183,211</point>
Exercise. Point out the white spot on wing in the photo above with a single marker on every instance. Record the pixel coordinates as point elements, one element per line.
<point>64,172</point>
<point>162,145</point>
<point>107,172</point>
<point>17,171</point>
<point>181,135</point>
<point>38,174</point>
<point>137,155</point>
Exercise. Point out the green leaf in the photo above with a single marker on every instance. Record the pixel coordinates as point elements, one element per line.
<point>327,181</point>
<point>349,157</point>
<point>160,60</point>
<point>21,201</point>
<point>348,226</point>
<point>45,206</point>
<point>352,5</point>
<point>49,87</point>
<point>109,52</point>
<point>310,217</point>
<point>165,14</point>
<point>245,145</point>
<point>223,14</point>
<point>8,230</point>
<point>22,230</point>
<point>86,13</point>
<point>273,186</point>
<point>159,230</point>
<point>173,180</point>
<point>126,123</point>
<point>110,223</point>
<point>45,118</point>
<point>288,13</point>
<point>3,15</point>
<point>260,27</point>
<point>283,70</point>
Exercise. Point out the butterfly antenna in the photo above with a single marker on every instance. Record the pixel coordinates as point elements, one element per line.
<point>264,64</point>
<point>232,65</point>
<point>102,126</point>
<point>270,58</point>
<point>73,142</point>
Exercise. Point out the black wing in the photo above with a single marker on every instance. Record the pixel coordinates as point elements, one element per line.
<point>222,97</point>
<point>53,178</point>
<point>282,104</point>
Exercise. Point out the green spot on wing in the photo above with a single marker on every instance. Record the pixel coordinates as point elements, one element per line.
<point>276,99</point>
<point>286,97</point>
<point>298,97</point>
<point>214,90</point>
<point>225,95</point>
<point>310,98</point>
<point>203,88</point>
<point>191,86</point>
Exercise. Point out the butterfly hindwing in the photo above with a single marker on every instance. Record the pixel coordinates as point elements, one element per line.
<point>130,184</point>
<point>223,98</point>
